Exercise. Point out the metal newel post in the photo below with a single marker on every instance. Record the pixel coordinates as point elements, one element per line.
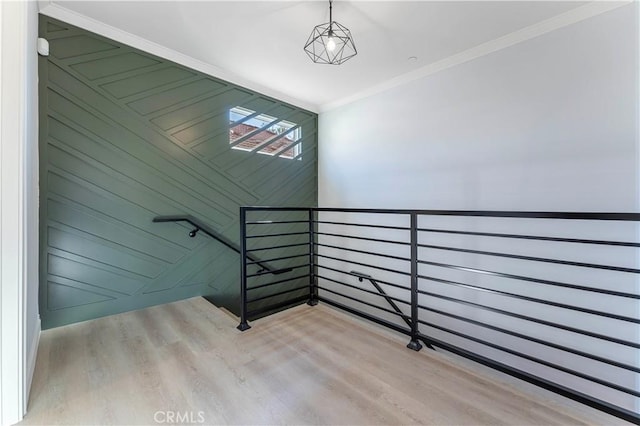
<point>313,290</point>
<point>414,343</point>
<point>243,271</point>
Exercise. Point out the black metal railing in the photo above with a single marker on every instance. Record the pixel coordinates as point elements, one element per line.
<point>201,226</point>
<point>551,298</point>
<point>291,246</point>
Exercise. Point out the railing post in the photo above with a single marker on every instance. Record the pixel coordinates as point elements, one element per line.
<point>414,343</point>
<point>243,271</point>
<point>313,290</point>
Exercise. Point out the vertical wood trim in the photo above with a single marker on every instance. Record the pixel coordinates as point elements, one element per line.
<point>30,366</point>
<point>12,231</point>
<point>31,175</point>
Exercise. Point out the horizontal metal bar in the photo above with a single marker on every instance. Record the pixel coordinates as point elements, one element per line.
<point>276,282</point>
<point>532,237</point>
<point>534,259</point>
<point>535,215</point>
<point>375,293</point>
<point>532,319</point>
<point>366,316</point>
<point>377,240</point>
<point>363,264</point>
<point>275,306</point>
<point>538,381</point>
<point>364,252</point>
<point>280,258</point>
<point>537,360</point>
<point>362,225</point>
<point>357,275</point>
<point>533,339</point>
<point>532,299</point>
<point>277,235</point>
<point>280,293</point>
<point>363,302</point>
<point>633,217</point>
<point>322,209</point>
<point>273,222</point>
<point>278,247</point>
<point>530,279</point>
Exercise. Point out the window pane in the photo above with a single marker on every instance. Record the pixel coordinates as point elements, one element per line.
<point>276,135</point>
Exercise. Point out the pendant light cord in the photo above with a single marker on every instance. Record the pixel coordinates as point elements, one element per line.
<point>330,15</point>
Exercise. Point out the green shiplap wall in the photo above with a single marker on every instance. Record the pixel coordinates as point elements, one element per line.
<point>126,136</point>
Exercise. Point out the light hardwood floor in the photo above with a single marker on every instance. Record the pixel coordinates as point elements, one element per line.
<point>302,366</point>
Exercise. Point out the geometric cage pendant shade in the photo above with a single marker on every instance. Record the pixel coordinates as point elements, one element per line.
<point>330,43</point>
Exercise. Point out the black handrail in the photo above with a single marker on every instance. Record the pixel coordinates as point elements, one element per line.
<point>200,226</point>
<point>361,277</point>
<point>606,216</point>
<point>407,319</point>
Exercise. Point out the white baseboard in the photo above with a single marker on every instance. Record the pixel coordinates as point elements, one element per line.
<point>31,362</point>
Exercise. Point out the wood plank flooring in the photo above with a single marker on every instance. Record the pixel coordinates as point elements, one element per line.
<point>185,362</point>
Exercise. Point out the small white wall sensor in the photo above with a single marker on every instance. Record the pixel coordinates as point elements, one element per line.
<point>43,46</point>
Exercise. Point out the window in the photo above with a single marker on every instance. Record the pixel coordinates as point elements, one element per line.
<point>252,131</point>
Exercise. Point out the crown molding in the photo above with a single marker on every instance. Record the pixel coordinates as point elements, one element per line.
<point>559,21</point>
<point>594,8</point>
<point>49,8</point>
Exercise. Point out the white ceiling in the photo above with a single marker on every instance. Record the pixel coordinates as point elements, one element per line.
<point>261,42</point>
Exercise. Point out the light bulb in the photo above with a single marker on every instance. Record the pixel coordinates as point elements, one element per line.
<point>331,44</point>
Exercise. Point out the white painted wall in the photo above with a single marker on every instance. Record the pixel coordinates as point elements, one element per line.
<point>549,124</point>
<point>19,322</point>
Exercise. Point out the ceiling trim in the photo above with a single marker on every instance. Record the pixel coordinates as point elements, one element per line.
<point>564,19</point>
<point>49,8</point>
<point>66,15</point>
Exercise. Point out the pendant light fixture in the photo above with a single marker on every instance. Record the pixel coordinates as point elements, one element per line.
<point>330,43</point>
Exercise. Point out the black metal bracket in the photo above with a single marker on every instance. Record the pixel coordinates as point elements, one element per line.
<point>415,345</point>
<point>243,326</point>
